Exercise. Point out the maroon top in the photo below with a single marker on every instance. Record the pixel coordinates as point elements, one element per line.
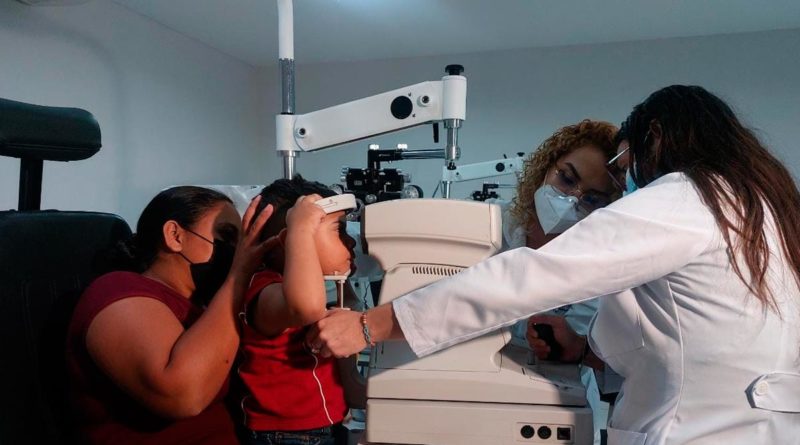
<point>287,387</point>
<point>107,415</point>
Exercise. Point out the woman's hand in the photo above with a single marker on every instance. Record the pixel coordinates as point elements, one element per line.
<point>275,254</point>
<point>571,343</point>
<point>339,334</point>
<point>250,249</point>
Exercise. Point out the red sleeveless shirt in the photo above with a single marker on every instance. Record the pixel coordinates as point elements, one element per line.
<point>288,388</point>
<point>107,415</point>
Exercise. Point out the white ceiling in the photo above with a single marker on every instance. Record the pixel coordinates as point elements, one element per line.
<point>346,30</point>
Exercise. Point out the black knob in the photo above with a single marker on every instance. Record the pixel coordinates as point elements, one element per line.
<point>500,167</point>
<point>545,332</point>
<point>454,70</point>
<point>401,107</point>
<point>520,153</point>
<point>527,431</point>
<point>545,432</point>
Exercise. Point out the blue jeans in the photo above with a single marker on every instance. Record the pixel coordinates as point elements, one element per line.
<point>321,436</point>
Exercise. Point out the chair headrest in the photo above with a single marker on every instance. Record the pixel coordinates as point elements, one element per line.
<point>47,133</point>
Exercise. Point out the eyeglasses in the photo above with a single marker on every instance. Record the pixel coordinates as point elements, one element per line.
<point>566,183</point>
<point>617,174</point>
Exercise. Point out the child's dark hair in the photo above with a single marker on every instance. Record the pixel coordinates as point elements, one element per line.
<point>184,205</point>
<point>282,194</point>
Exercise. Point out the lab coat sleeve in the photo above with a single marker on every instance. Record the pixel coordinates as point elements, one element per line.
<point>640,238</point>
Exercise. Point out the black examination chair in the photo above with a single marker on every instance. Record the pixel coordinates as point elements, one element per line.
<point>47,257</point>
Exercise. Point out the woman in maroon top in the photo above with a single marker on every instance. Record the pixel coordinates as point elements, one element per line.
<point>149,351</point>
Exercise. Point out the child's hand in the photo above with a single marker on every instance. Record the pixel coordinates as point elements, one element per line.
<point>305,215</point>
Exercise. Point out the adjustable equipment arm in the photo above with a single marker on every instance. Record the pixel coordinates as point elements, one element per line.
<point>423,103</point>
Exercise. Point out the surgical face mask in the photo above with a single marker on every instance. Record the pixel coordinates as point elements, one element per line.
<point>209,276</point>
<point>556,211</point>
<point>630,186</point>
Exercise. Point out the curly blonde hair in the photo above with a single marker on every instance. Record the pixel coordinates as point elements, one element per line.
<point>599,134</point>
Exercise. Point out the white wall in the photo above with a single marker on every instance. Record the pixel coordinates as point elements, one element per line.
<point>174,111</point>
<point>171,110</point>
<point>517,98</point>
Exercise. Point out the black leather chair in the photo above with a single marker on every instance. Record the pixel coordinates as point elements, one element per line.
<point>46,259</point>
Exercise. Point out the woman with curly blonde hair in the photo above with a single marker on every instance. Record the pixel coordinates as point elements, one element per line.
<point>564,180</point>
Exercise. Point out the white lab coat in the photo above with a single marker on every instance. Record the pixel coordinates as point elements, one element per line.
<point>577,315</point>
<point>703,362</point>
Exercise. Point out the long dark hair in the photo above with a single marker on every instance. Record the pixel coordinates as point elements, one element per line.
<point>184,205</point>
<point>740,181</point>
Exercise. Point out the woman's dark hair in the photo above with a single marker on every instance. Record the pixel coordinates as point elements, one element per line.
<point>740,181</point>
<point>282,194</point>
<point>184,205</point>
<point>622,134</point>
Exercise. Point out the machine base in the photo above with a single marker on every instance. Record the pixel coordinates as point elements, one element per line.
<point>458,423</point>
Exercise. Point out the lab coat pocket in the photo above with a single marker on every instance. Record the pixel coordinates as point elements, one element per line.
<point>622,437</point>
<point>617,327</point>
<point>776,391</point>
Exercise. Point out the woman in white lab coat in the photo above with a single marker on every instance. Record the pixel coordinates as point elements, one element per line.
<point>700,270</point>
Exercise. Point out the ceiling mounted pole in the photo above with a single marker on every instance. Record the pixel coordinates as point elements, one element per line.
<point>286,62</point>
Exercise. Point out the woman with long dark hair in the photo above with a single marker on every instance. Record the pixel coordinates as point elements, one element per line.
<point>700,270</point>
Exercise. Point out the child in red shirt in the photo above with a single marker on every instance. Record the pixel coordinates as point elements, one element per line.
<point>292,394</point>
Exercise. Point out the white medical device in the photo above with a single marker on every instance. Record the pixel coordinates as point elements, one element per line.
<point>483,391</point>
<point>485,169</point>
<point>427,102</point>
<point>337,203</point>
<point>479,392</point>
<point>333,204</point>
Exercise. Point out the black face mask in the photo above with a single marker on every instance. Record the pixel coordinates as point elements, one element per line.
<point>209,276</point>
